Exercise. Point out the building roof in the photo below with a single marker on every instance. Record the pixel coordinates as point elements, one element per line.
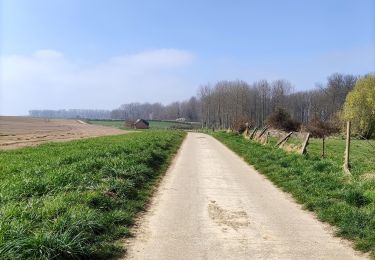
<point>141,120</point>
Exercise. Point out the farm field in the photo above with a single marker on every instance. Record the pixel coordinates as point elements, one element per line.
<point>362,152</point>
<point>76,199</point>
<point>18,132</point>
<point>111,123</point>
<point>319,184</point>
<point>154,124</point>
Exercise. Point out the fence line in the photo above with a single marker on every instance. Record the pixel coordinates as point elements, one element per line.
<point>303,149</point>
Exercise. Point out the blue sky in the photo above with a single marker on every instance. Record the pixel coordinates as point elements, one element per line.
<point>100,54</point>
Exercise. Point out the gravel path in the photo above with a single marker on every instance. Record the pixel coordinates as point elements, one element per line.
<point>212,205</point>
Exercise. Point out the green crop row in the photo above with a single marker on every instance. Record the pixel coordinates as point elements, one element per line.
<point>76,199</point>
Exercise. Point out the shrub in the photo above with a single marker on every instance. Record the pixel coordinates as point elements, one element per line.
<point>240,124</point>
<point>181,126</point>
<point>318,128</point>
<point>281,119</point>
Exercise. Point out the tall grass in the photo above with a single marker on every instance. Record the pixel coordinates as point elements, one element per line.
<point>319,184</point>
<point>362,152</point>
<point>76,199</point>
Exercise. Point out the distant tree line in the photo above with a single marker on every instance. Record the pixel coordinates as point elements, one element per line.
<point>72,113</point>
<point>187,109</point>
<point>225,103</point>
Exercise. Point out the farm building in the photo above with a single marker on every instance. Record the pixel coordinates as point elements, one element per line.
<point>141,124</point>
<point>181,119</point>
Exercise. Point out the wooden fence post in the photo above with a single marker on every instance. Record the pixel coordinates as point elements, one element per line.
<point>347,149</point>
<point>253,133</point>
<point>323,146</point>
<point>262,132</point>
<point>267,136</point>
<point>284,139</point>
<point>305,144</point>
<point>246,132</point>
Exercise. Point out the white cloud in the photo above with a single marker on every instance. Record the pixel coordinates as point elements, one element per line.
<point>156,59</point>
<point>47,55</point>
<point>47,79</point>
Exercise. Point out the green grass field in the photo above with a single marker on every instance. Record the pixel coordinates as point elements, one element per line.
<point>319,184</point>
<point>163,124</point>
<point>154,124</point>
<point>112,123</point>
<point>362,152</point>
<point>74,200</point>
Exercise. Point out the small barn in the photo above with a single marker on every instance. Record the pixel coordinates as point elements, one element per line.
<point>181,119</point>
<point>141,124</point>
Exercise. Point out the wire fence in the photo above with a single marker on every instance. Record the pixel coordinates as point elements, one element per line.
<point>361,151</point>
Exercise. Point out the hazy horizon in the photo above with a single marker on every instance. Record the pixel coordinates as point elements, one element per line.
<point>96,55</point>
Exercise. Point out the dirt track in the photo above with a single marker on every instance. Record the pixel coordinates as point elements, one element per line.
<point>18,132</point>
<point>212,205</point>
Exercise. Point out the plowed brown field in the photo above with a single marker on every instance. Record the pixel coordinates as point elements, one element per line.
<point>18,132</point>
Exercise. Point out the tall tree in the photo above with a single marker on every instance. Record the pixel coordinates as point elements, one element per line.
<point>360,106</point>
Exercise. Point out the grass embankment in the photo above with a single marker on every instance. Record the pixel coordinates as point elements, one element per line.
<point>76,199</point>
<point>317,183</point>
<point>362,153</point>
<point>362,158</point>
<point>154,124</point>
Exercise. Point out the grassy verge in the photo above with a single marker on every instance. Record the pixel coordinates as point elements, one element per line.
<point>76,199</point>
<point>362,158</point>
<point>362,153</point>
<point>317,183</point>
